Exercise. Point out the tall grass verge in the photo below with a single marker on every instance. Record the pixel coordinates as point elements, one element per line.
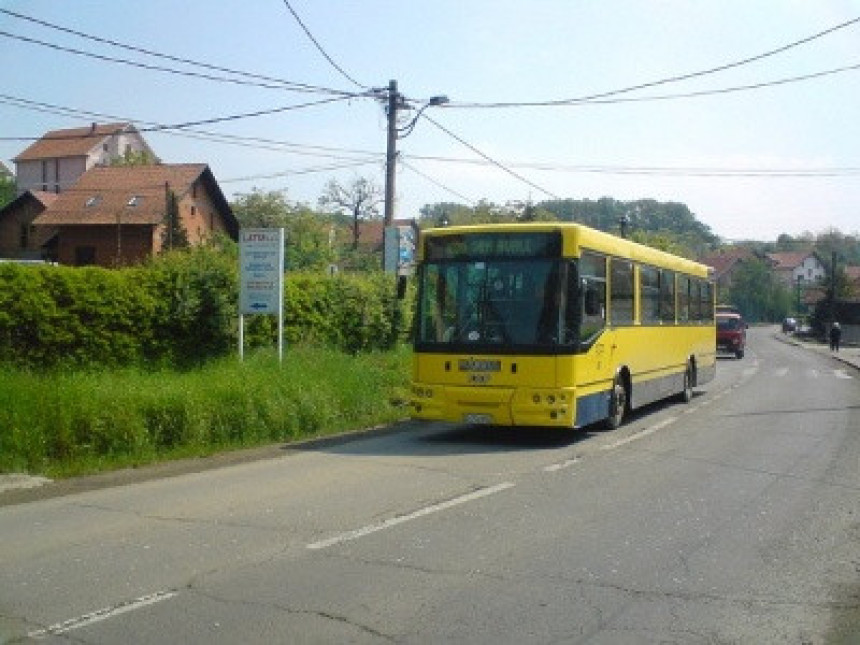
<point>65,423</point>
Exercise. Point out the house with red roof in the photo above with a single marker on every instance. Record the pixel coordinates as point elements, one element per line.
<point>59,158</point>
<point>798,269</point>
<point>120,215</point>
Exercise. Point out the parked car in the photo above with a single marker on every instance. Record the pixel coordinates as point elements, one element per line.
<point>789,326</point>
<point>731,334</point>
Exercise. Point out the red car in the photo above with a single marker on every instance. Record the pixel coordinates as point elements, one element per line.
<point>731,334</point>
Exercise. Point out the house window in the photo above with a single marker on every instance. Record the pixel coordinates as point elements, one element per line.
<point>135,201</point>
<point>85,255</point>
<point>24,236</point>
<point>95,200</point>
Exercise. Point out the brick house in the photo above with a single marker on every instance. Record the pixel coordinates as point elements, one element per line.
<point>115,216</point>
<point>18,238</point>
<point>61,157</point>
<point>725,263</point>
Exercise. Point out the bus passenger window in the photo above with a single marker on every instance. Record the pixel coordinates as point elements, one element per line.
<point>621,287</point>
<point>592,269</point>
<point>684,299</point>
<point>649,295</point>
<point>667,296</point>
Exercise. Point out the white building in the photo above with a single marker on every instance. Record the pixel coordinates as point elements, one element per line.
<point>57,160</point>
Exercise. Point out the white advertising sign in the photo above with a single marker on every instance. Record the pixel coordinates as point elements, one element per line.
<point>261,258</point>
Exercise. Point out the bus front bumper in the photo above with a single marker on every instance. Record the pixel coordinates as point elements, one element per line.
<point>494,406</point>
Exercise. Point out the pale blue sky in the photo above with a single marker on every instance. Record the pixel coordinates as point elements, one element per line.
<point>478,51</point>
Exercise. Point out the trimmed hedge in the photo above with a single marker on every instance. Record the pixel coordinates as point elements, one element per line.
<point>181,309</point>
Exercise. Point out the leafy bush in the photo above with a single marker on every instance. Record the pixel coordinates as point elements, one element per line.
<point>181,310</point>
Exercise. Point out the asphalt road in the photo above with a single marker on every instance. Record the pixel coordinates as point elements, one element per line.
<point>732,519</point>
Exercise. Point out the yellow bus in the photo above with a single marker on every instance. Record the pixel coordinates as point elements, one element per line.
<point>555,324</point>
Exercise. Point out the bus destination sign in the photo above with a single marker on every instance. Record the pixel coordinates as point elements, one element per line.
<point>493,245</point>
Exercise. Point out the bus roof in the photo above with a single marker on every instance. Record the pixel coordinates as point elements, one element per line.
<point>578,237</point>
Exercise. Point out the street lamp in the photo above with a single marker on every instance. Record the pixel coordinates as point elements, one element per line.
<point>407,129</point>
<point>396,101</point>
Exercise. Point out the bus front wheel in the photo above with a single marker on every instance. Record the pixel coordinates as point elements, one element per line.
<point>617,405</point>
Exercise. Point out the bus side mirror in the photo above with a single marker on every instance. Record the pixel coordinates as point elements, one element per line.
<point>401,287</point>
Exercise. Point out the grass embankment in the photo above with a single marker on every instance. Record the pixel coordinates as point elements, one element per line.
<point>65,423</point>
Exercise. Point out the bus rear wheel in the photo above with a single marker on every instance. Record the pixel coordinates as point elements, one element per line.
<point>617,405</point>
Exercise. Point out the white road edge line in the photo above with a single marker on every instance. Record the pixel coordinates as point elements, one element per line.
<point>640,435</point>
<point>401,519</point>
<point>102,614</point>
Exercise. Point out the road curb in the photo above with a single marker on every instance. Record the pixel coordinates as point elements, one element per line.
<point>16,488</point>
<point>844,356</point>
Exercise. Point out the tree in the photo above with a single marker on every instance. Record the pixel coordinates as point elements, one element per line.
<point>309,236</point>
<point>259,209</point>
<point>757,293</point>
<point>7,190</point>
<point>174,235</point>
<point>135,158</point>
<point>360,200</point>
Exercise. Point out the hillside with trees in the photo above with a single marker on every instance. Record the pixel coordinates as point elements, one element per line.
<point>669,226</point>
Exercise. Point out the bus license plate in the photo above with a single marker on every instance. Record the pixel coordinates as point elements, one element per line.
<point>478,419</point>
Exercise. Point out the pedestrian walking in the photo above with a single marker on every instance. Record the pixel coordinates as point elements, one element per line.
<point>835,336</point>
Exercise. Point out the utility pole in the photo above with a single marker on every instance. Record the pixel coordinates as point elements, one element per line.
<point>395,102</point>
<point>391,153</point>
<point>832,286</point>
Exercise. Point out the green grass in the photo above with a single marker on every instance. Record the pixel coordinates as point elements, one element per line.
<point>66,423</point>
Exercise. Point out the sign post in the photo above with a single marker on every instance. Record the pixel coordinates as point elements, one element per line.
<point>261,276</point>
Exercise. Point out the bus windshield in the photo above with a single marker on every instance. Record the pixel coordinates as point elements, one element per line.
<point>508,304</point>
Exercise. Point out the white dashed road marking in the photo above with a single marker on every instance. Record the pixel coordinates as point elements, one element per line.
<point>103,614</point>
<point>401,519</point>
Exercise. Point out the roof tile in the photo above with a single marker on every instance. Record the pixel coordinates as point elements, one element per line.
<point>106,194</point>
<point>73,142</point>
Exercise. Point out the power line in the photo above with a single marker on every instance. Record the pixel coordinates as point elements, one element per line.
<point>436,183</point>
<point>665,81</point>
<point>671,171</point>
<point>246,141</point>
<point>291,85</point>
<point>320,48</point>
<point>170,70</point>
<point>369,156</point>
<point>725,90</point>
<point>303,171</point>
<point>188,124</point>
<point>490,159</point>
